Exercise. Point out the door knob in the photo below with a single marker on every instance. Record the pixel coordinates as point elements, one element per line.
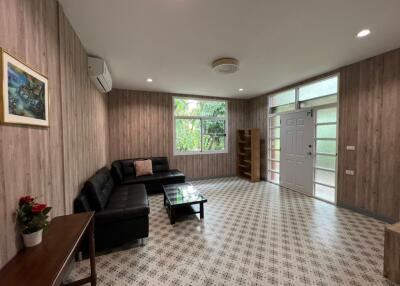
<point>309,153</point>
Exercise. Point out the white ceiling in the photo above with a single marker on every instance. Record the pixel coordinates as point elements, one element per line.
<point>277,42</point>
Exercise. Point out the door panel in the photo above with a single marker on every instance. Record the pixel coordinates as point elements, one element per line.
<point>296,166</point>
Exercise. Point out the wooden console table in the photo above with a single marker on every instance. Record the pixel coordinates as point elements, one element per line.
<point>391,263</point>
<point>47,263</point>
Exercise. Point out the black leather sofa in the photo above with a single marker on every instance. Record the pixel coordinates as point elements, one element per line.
<point>121,211</point>
<point>123,172</point>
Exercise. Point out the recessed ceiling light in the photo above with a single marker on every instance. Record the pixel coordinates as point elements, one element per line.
<point>149,80</point>
<point>363,33</point>
<point>241,89</point>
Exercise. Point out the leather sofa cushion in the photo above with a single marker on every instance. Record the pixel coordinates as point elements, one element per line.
<point>128,168</point>
<point>117,169</point>
<point>99,188</point>
<point>81,203</point>
<point>160,164</point>
<point>160,177</point>
<point>126,202</point>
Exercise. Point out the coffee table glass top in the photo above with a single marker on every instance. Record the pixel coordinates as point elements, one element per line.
<point>180,194</point>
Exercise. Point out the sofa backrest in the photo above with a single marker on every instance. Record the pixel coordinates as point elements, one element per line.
<point>99,188</point>
<point>125,168</point>
<point>81,203</point>
<point>160,164</point>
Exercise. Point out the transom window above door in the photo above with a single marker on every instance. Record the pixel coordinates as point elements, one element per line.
<point>200,126</point>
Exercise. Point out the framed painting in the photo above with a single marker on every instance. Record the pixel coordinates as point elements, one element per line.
<point>24,95</point>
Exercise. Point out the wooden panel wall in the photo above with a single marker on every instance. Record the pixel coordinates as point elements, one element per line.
<point>140,125</point>
<point>84,115</point>
<point>257,118</point>
<point>370,120</point>
<point>31,159</point>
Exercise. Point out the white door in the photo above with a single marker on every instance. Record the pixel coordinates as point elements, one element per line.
<point>297,135</point>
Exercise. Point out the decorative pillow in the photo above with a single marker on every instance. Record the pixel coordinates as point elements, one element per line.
<point>143,167</point>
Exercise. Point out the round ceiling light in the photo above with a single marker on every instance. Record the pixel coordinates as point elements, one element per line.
<point>225,65</point>
<point>363,33</point>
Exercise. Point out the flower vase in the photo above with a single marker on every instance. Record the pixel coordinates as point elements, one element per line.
<point>32,239</point>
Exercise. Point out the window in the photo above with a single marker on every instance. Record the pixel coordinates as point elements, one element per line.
<point>319,93</point>
<point>283,101</point>
<point>274,147</point>
<point>325,154</point>
<point>200,126</point>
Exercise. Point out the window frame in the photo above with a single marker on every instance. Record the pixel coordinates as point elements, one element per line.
<point>201,118</point>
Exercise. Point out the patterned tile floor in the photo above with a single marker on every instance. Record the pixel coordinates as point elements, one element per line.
<point>252,234</point>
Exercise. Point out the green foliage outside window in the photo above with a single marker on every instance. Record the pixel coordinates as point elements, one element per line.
<point>205,131</point>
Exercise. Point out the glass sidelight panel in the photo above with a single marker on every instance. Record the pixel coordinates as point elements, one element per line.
<point>326,131</point>
<point>324,193</point>
<point>273,177</point>
<point>275,121</point>
<point>275,133</point>
<point>326,150</point>
<point>325,162</point>
<point>326,146</point>
<point>274,155</point>
<point>325,177</point>
<point>273,166</point>
<point>275,144</point>
<point>327,115</point>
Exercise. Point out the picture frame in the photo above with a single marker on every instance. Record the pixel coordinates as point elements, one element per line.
<point>24,93</point>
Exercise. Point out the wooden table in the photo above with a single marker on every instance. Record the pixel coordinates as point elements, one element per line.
<point>47,263</point>
<point>391,262</point>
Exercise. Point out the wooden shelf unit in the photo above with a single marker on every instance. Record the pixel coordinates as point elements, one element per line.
<point>248,154</point>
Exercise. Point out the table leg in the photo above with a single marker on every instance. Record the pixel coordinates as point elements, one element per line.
<point>165,200</point>
<point>172,214</point>
<point>201,210</point>
<point>92,254</point>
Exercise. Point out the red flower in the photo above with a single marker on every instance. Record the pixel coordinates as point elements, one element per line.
<point>25,200</point>
<point>38,208</point>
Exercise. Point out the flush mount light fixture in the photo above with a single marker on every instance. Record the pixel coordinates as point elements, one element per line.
<point>225,65</point>
<point>149,80</point>
<point>240,89</point>
<point>363,33</point>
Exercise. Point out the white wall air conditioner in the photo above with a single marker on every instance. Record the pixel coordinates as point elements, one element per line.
<point>99,74</point>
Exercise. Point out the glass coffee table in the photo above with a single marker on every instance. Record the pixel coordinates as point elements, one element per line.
<point>183,199</point>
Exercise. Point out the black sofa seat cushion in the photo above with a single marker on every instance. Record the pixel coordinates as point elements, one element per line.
<point>164,177</point>
<point>126,203</point>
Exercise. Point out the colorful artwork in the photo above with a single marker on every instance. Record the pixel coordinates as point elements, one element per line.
<point>24,93</point>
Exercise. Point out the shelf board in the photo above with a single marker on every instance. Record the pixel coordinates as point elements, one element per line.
<point>247,174</point>
<point>242,154</point>
<point>247,148</point>
<point>241,142</point>
<point>243,166</point>
<point>247,161</point>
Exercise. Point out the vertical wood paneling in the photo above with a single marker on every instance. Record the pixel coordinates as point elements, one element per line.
<point>84,115</point>
<point>369,120</point>
<point>30,157</point>
<point>140,125</point>
<point>34,160</point>
<point>258,111</point>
